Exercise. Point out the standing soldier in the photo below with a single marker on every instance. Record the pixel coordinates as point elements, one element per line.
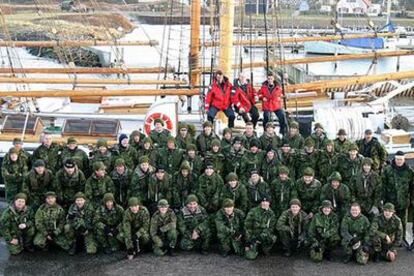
<point>366,189</point>
<point>291,227</point>
<point>194,160</point>
<point>282,191</point>
<point>140,180</point>
<point>338,193</point>
<point>271,94</point>
<point>341,142</point>
<point>233,190</point>
<point>184,183</point>
<point>205,138</point>
<point>227,140</point>
<point>148,151</point>
<point>163,229</point>
<point>252,160</point>
<point>234,156</point>
<point>386,232</point>
<point>17,222</point>
<point>159,134</point>
<point>294,138</point>
<point>323,233</point>
<point>245,98</point>
<point>13,170</point>
<point>355,235</point>
<point>372,148</point>
<point>193,225</point>
<point>71,151</point>
<point>349,164</point>
<point>159,187</point>
<point>319,136</point>
<point>328,161</point>
<point>135,139</point>
<point>108,219</point>
<point>308,157</point>
<point>260,227</point>
<point>37,182</point>
<point>183,138</point>
<point>219,98</point>
<point>98,184</point>
<point>102,154</point>
<point>50,224</point>
<point>135,228</point>
<point>170,157</point>
<point>257,189</point>
<point>308,190</point>
<point>79,228</point>
<point>121,177</point>
<point>68,181</point>
<point>230,228</point>
<point>23,155</point>
<point>48,151</point>
<point>208,184</point>
<point>125,151</point>
<point>270,165</point>
<point>249,134</point>
<point>397,185</point>
<point>287,158</point>
<point>269,138</point>
<point>216,156</point>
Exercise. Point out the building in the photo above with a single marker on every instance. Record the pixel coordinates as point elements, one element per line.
<point>359,7</point>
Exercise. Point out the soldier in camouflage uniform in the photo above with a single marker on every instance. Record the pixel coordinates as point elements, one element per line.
<point>183,138</point>
<point>294,138</point>
<point>397,188</point>
<point>159,134</point>
<point>216,156</point>
<point>291,227</point>
<point>184,183</point>
<point>159,187</point>
<point>355,235</point>
<point>233,157</point>
<point>260,230</point>
<point>269,138</point>
<point>341,142</point>
<point>68,181</point>
<point>308,190</point>
<point>79,228</point>
<point>282,191</point>
<point>249,134</point>
<point>323,233</point>
<point>49,152</point>
<point>71,151</point>
<point>319,136</point>
<point>195,161</point>
<point>23,155</point>
<point>252,160</point>
<point>108,219</point>
<point>148,151</point>
<point>366,189</point>
<point>140,180</point>
<point>193,225</point>
<point>124,150</point>
<point>208,184</point>
<point>257,189</point>
<point>270,165</point>
<point>170,157</point>
<point>233,190</point>
<point>17,224</point>
<point>98,184</point>
<point>163,229</point>
<point>328,161</point>
<point>135,139</point>
<point>372,148</point>
<point>37,182</point>
<point>121,177</point>
<point>386,233</point>
<point>205,138</point>
<point>102,154</point>
<point>13,170</point>
<point>338,193</point>
<point>308,157</point>
<point>50,224</point>
<point>349,164</point>
<point>227,141</point>
<point>230,228</point>
<point>287,158</point>
<point>135,228</point>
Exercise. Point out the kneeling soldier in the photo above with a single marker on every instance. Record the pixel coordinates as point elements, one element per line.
<point>79,225</point>
<point>355,235</point>
<point>260,230</point>
<point>163,229</point>
<point>291,227</point>
<point>193,225</point>
<point>230,230</point>
<point>135,227</point>
<point>108,220</point>
<point>50,223</point>
<point>17,224</point>
<point>386,232</point>
<point>323,233</point>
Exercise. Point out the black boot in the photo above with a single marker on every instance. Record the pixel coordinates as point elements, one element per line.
<point>376,257</point>
<point>347,259</point>
<point>328,255</point>
<point>170,252</point>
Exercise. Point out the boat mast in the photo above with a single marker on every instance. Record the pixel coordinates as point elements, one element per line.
<point>388,12</point>
<point>226,36</point>
<point>194,58</point>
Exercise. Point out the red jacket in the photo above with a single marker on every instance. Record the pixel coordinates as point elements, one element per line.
<point>219,97</point>
<point>244,96</point>
<point>272,100</point>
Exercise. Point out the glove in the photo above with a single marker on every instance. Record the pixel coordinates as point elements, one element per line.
<point>357,245</point>
<point>374,210</point>
<point>354,240</point>
<point>107,230</point>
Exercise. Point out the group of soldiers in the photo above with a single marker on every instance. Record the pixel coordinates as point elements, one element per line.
<point>244,193</point>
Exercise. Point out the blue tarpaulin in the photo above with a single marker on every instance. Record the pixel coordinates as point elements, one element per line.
<point>365,43</point>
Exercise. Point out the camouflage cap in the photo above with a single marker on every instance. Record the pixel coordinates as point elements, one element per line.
<point>102,143</point>
<point>389,207</point>
<point>329,142</point>
<point>39,163</point>
<point>353,146</point>
<point>13,150</point>
<point>295,201</point>
<point>147,140</point>
<point>17,141</point>
<point>294,124</point>
<point>50,193</point>
<point>185,165</point>
<point>326,204</point>
<point>170,139</point>
<point>317,125</point>
<point>108,197</point>
<point>341,132</point>
<point>163,203</point>
<point>79,195</point>
<point>309,142</point>
<point>160,169</point>
<point>283,169</point>
<point>182,125</point>
<point>228,203</point>
<point>119,162</point>
<point>135,133</point>
<point>232,177</point>
<point>20,196</point>
<point>255,143</point>
<point>270,124</point>
<point>335,176</point>
<point>207,124</point>
<point>98,166</point>
<point>191,147</point>
<point>368,131</point>
<point>254,171</point>
<point>227,130</point>
<point>191,198</point>
<point>133,201</point>
<point>158,120</point>
<point>215,142</point>
<point>144,159</point>
<point>237,139</point>
<point>367,161</point>
<point>72,140</point>
<point>308,171</point>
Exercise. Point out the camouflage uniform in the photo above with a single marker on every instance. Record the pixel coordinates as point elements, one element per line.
<point>247,139</point>
<point>95,188</point>
<point>122,181</point>
<point>374,150</point>
<point>13,175</point>
<point>182,186</point>
<point>267,141</point>
<point>136,145</point>
<point>203,142</point>
<point>50,155</point>
<point>129,154</point>
<point>289,160</point>
<point>341,147</point>
<point>256,192</point>
<point>139,184</point>
<point>35,186</point>
<point>151,153</point>
<point>66,186</point>
<point>196,163</point>
<point>106,158</point>
<point>159,138</point>
<point>304,159</point>
<point>269,168</point>
<point>238,194</point>
<point>233,159</point>
<point>250,161</point>
<point>297,141</point>
<point>206,189</point>
<point>340,197</point>
<point>309,194</point>
<point>163,230</point>
<point>282,192</point>
<point>328,161</point>
<point>79,156</point>
<point>158,189</point>
<point>183,142</point>
<point>348,167</point>
<point>170,159</point>
<point>319,140</point>
<point>217,158</point>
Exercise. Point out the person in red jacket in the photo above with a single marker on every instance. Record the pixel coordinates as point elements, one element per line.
<point>271,94</point>
<point>219,99</point>
<point>244,99</point>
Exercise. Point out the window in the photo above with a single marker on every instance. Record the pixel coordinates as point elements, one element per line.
<point>88,127</point>
<point>16,124</point>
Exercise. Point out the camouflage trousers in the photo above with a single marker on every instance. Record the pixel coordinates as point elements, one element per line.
<point>264,241</point>
<point>25,240</point>
<point>288,242</point>
<point>163,240</point>
<point>227,243</point>
<point>360,256</point>
<point>380,246</point>
<point>203,242</point>
<point>88,238</point>
<point>319,247</point>
<point>106,241</point>
<point>143,239</point>
<point>41,241</point>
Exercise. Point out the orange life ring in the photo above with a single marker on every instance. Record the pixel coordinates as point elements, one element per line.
<point>150,120</point>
